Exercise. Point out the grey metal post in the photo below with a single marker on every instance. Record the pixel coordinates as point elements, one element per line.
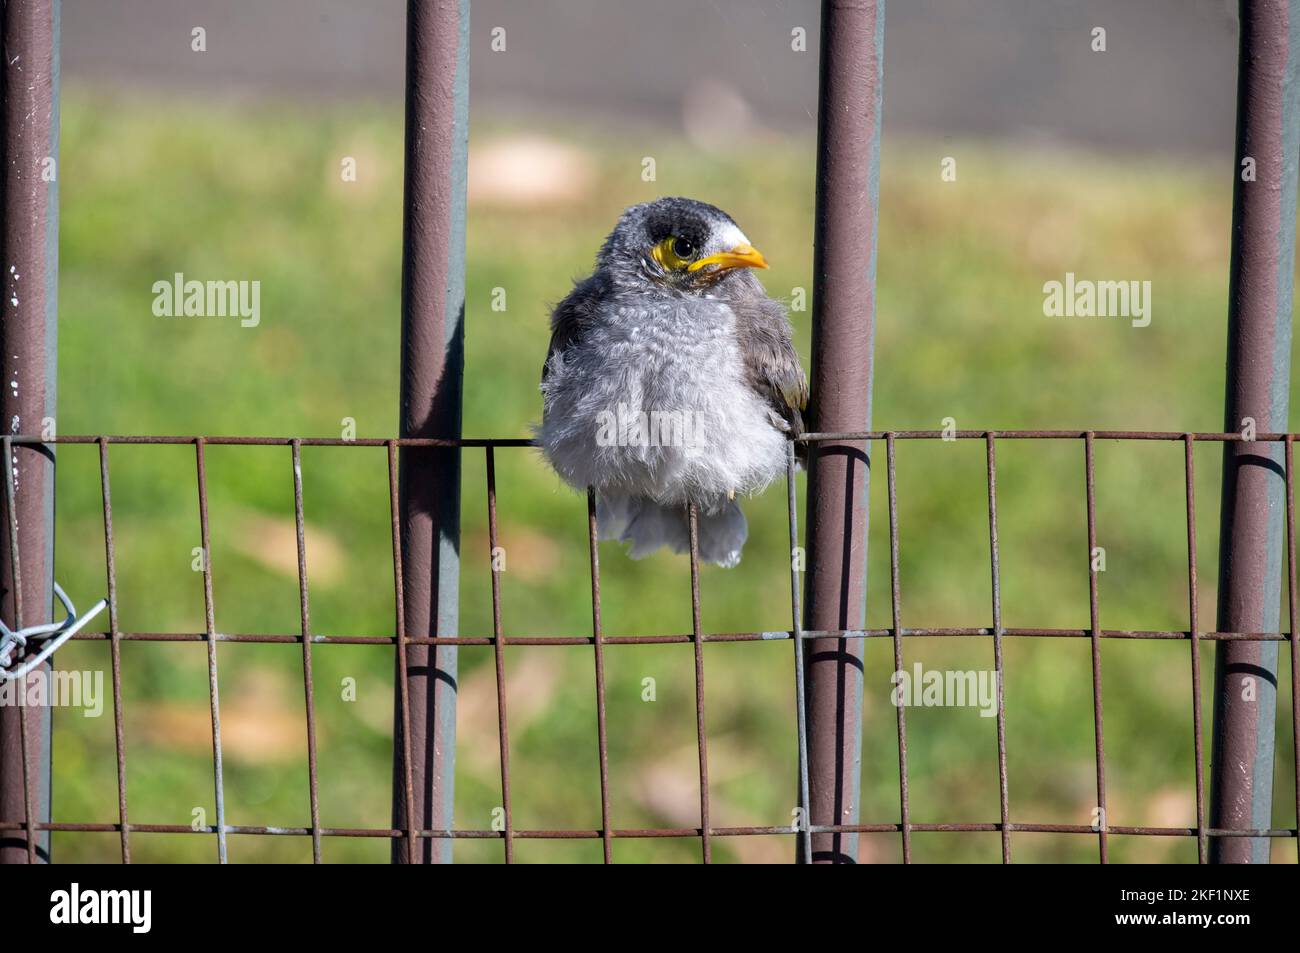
<point>433,312</point>
<point>27,340</point>
<point>844,273</point>
<point>1258,386</point>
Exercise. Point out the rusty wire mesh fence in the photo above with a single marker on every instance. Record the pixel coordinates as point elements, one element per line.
<point>408,837</point>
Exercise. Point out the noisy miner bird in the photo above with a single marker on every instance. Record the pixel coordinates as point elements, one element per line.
<point>672,379</point>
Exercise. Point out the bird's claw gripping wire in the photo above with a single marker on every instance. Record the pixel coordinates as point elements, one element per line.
<point>55,632</point>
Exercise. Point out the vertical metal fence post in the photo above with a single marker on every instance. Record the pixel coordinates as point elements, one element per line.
<point>844,272</point>
<point>433,312</point>
<point>1258,386</point>
<point>28,337</point>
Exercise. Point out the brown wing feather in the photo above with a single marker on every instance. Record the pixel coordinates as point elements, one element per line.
<point>771,362</point>
<point>572,317</point>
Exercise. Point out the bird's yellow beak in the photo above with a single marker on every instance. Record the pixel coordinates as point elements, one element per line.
<point>742,256</point>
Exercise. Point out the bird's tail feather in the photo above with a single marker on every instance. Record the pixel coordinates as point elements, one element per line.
<point>647,525</point>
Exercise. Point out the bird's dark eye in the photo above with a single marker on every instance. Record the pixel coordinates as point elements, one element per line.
<point>683,248</point>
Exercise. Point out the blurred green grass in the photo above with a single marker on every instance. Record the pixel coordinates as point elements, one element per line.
<point>155,186</point>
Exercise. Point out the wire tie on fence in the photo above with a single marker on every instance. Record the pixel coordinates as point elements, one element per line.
<point>56,632</point>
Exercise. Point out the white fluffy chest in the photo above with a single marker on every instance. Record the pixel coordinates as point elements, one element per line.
<point>654,402</point>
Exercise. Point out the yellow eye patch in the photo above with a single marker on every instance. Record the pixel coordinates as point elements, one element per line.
<point>673,253</point>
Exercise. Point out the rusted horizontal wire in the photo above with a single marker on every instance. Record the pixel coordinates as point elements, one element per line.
<point>218,441</point>
<point>1042,435</point>
<point>644,833</point>
<point>182,441</point>
<point>671,639</point>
